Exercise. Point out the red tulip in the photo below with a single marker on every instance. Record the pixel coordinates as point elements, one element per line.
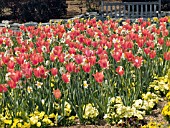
<point>127,45</point>
<point>167,43</point>
<point>99,50</point>
<point>57,93</point>
<point>52,57</point>
<point>1,63</point>
<point>161,41</point>
<point>66,77</point>
<point>78,59</point>
<point>77,69</point>
<point>109,44</point>
<point>42,70</point>
<point>103,56</point>
<point>37,72</point>
<point>140,42</point>
<point>11,64</point>
<point>86,67</point>
<point>117,55</point>
<point>27,72</point>
<point>72,50</point>
<point>165,32</point>
<point>12,84</point>
<point>20,59</point>
<point>57,50</point>
<point>1,41</point>
<point>25,65</point>
<point>149,43</point>
<point>61,58</point>
<point>99,77</point>
<point>3,88</point>
<point>87,41</point>
<point>147,50</point>
<point>34,59</point>
<point>137,61</point>
<point>94,44</point>
<point>5,59</point>
<point>104,63</point>
<point>120,70</point>
<point>167,56</point>
<point>87,52</point>
<point>152,54</point>
<point>70,67</point>
<point>129,55</point>
<point>54,71</point>
<point>15,76</point>
<point>92,60</point>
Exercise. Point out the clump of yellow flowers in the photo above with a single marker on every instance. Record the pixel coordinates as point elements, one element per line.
<point>159,86</point>
<point>36,119</point>
<point>90,111</point>
<point>117,111</point>
<point>153,125</point>
<point>166,109</point>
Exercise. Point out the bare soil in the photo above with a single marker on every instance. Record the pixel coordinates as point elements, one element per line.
<point>156,115</point>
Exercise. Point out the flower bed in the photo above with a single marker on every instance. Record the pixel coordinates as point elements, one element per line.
<point>83,71</point>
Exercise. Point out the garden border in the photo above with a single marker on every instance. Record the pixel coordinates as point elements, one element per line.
<point>130,10</point>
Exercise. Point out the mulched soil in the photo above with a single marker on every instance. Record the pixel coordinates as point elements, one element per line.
<point>156,115</point>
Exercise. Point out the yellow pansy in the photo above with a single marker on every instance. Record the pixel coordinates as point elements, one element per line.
<point>52,115</point>
<point>8,121</point>
<point>34,120</point>
<point>52,85</point>
<point>40,116</point>
<point>39,124</point>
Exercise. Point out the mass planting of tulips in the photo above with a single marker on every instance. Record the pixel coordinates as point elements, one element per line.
<point>82,72</point>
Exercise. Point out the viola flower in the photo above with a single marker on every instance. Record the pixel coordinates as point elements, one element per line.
<point>57,93</point>
<point>66,77</point>
<point>99,77</point>
<point>85,85</point>
<point>29,89</point>
<point>137,61</point>
<point>39,84</point>
<point>62,70</point>
<point>120,70</point>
